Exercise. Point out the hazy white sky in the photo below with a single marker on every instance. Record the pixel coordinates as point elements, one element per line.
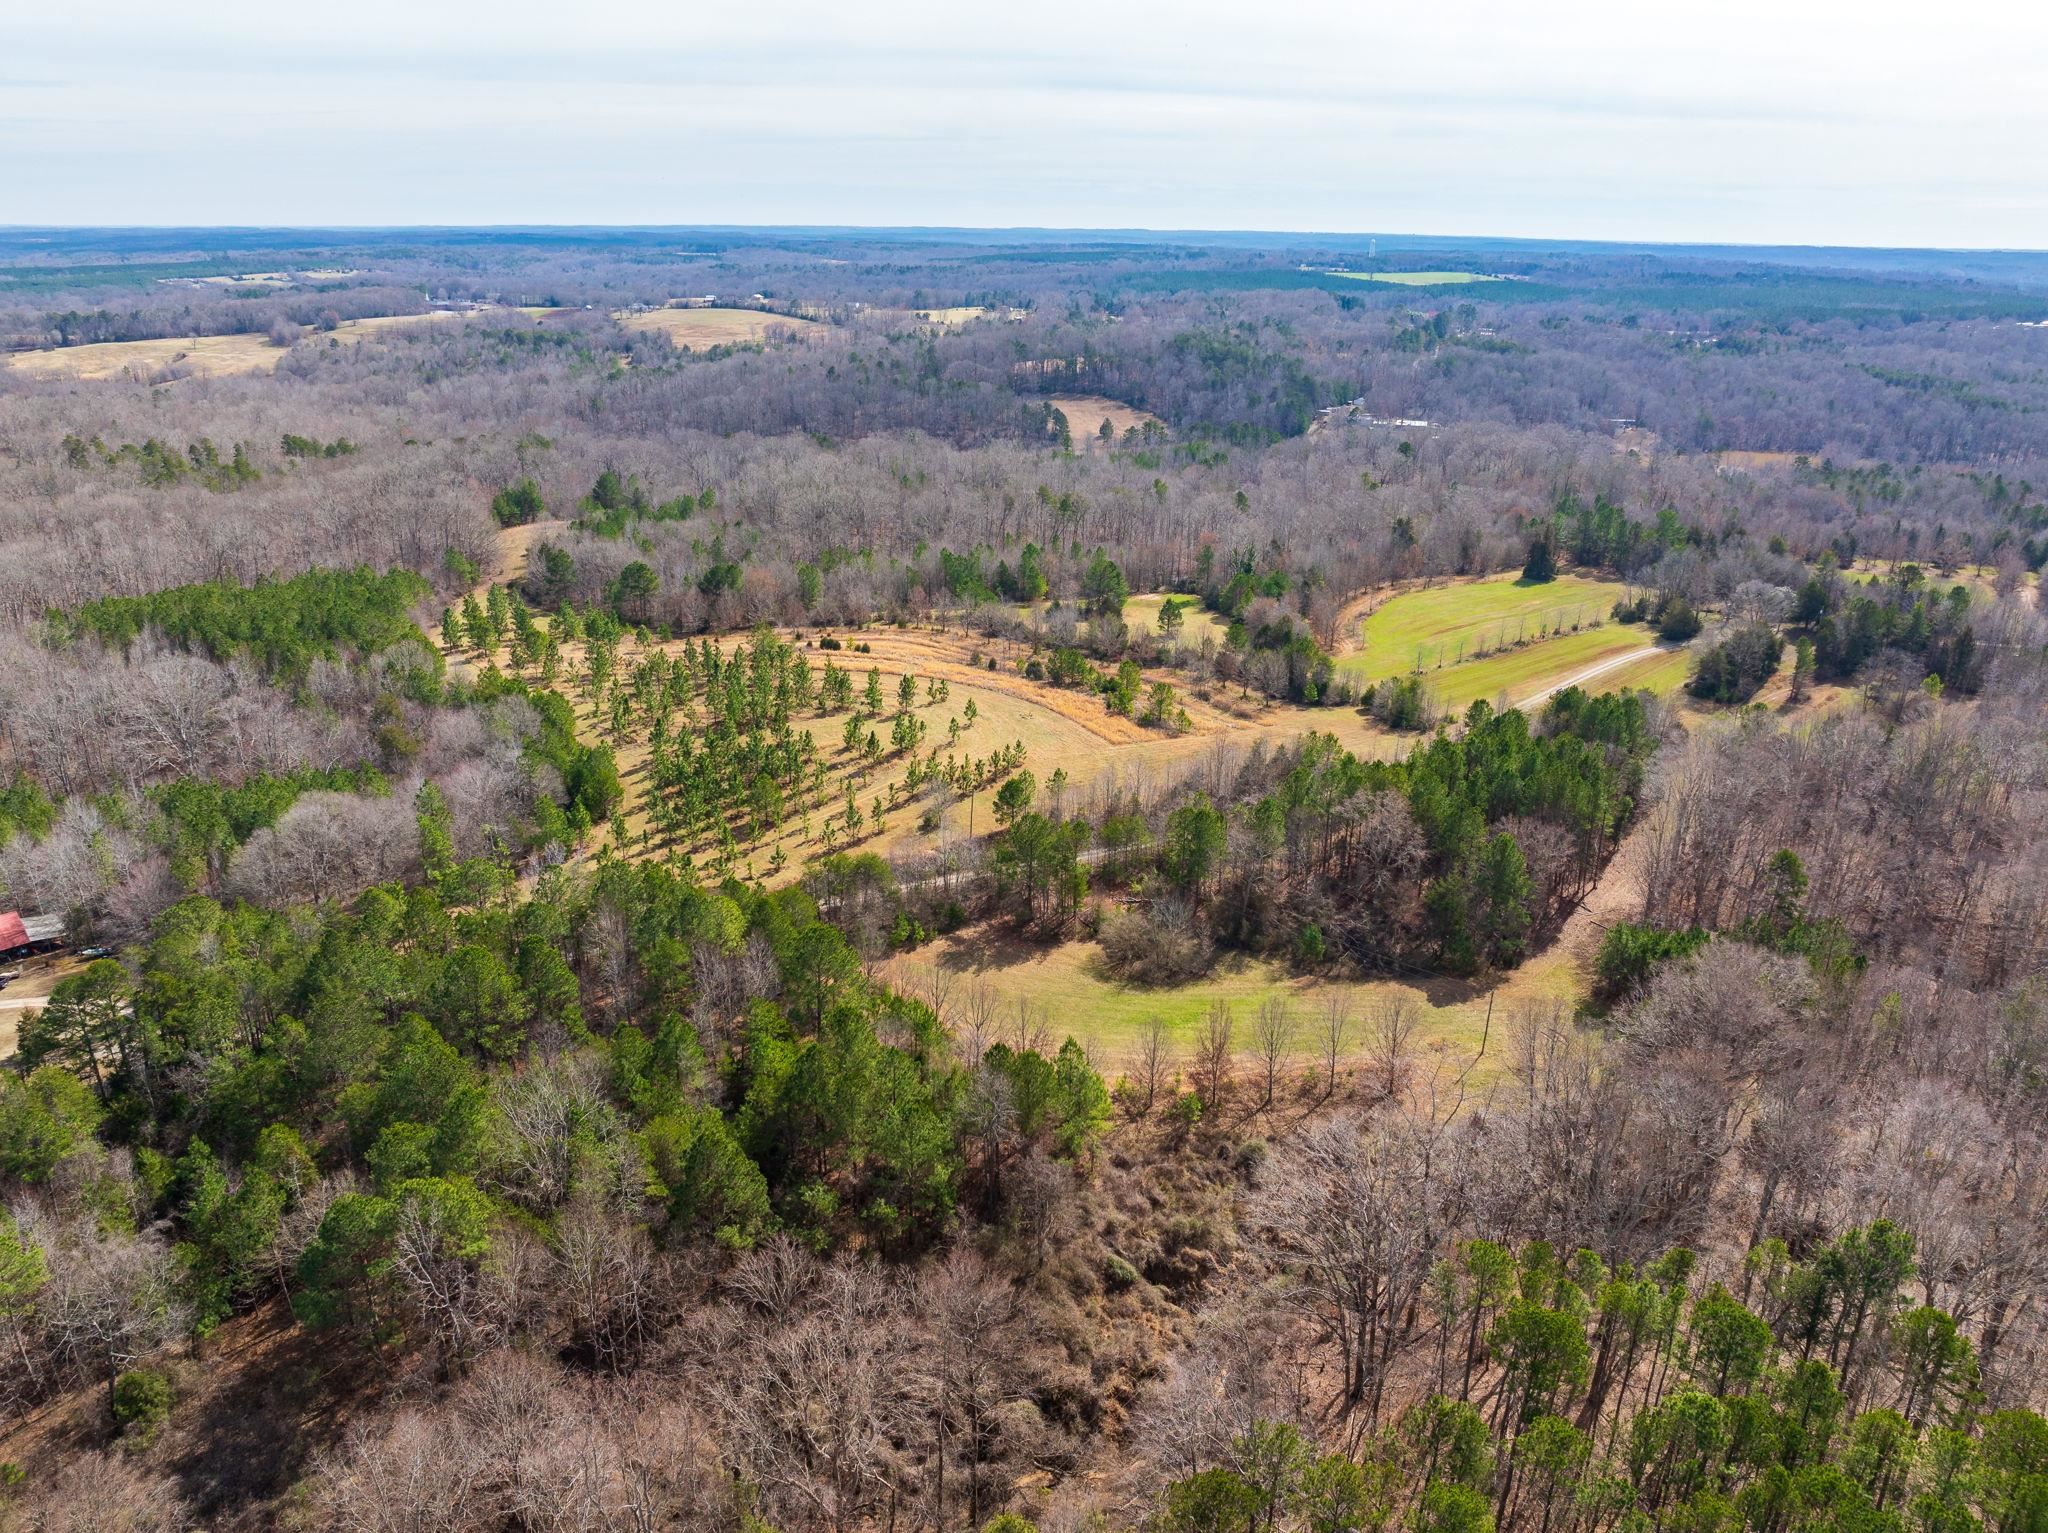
<point>1786,121</point>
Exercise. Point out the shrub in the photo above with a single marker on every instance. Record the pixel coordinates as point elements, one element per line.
<point>1402,703</point>
<point>1165,946</point>
<point>518,504</point>
<point>1629,952</point>
<point>1676,621</point>
<point>142,1400</point>
<point>1118,1273</point>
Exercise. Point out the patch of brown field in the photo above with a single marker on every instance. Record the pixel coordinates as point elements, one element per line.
<point>196,356</point>
<point>946,318</point>
<point>1756,462</point>
<point>1085,414</point>
<point>700,328</point>
<point>513,547</point>
<point>201,356</point>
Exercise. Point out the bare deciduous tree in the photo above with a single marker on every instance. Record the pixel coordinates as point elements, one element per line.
<point>1214,1057</point>
<point>1273,1032</point>
<point>1390,1034</point>
<point>1154,1064</point>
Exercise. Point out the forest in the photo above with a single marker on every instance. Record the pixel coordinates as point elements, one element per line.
<point>1061,885</point>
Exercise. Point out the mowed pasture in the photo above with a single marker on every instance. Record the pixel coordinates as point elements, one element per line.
<point>1142,613</point>
<point>701,329</point>
<point>195,356</point>
<point>1533,671</point>
<point>1503,639</point>
<point>1440,626</point>
<point>1660,669</point>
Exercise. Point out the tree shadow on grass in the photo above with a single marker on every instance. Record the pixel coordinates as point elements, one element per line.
<point>984,949</point>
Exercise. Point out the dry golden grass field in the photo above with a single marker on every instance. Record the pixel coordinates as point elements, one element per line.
<point>701,328</point>
<point>197,356</point>
<point>202,356</point>
<point>1755,462</point>
<point>1085,414</point>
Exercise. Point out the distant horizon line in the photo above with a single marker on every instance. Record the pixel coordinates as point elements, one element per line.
<point>1034,232</point>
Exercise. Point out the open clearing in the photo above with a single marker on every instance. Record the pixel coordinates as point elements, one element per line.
<point>39,976</point>
<point>951,318</point>
<point>197,356</point>
<point>1141,615</point>
<point>1418,278</point>
<point>702,328</point>
<point>1071,731</point>
<point>1981,580</point>
<point>1142,612</point>
<point>1534,670</point>
<point>1462,1022</point>
<point>1756,462</point>
<point>1442,626</point>
<point>1658,669</point>
<point>1061,729</point>
<point>201,356</point>
<point>1085,414</point>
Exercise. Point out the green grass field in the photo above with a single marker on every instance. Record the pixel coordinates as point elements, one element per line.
<point>1445,625</point>
<point>1066,989</point>
<point>1662,671</point>
<point>1522,673</point>
<point>1142,612</point>
<point>1417,278</point>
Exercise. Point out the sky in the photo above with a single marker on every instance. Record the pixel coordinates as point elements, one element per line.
<point>1797,121</point>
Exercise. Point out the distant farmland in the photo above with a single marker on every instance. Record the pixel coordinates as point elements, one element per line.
<point>697,329</point>
<point>1085,414</point>
<point>196,356</point>
<point>1418,278</point>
